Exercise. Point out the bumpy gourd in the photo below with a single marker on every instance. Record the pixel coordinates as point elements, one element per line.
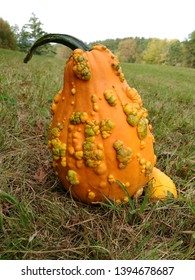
<point>100,132</point>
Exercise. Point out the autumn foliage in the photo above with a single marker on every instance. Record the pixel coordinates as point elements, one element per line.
<point>7,38</point>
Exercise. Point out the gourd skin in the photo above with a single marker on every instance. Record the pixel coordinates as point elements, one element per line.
<point>100,132</point>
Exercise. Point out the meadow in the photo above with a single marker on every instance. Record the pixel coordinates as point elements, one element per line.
<point>39,220</point>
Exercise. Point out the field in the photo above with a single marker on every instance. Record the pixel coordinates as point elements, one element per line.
<point>39,220</point>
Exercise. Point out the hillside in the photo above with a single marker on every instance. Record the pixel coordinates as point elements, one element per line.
<point>39,220</point>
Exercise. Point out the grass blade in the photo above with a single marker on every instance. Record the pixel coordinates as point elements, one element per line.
<point>24,217</point>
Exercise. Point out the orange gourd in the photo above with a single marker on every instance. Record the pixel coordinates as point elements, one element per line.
<point>160,186</point>
<point>100,132</point>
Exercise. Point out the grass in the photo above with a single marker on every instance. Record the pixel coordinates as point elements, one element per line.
<point>38,219</point>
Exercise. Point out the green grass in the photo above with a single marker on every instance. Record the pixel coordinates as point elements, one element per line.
<point>38,220</point>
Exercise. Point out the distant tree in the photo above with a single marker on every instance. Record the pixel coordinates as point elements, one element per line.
<point>141,46</point>
<point>189,51</point>
<point>24,41</point>
<point>30,32</point>
<point>7,38</point>
<point>175,53</point>
<point>16,30</point>
<point>127,50</point>
<point>156,52</point>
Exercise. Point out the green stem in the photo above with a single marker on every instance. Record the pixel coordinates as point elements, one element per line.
<point>63,39</point>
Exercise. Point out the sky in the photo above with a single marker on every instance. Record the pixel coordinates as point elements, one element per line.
<point>91,20</point>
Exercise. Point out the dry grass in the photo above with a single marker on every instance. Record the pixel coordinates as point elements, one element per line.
<point>39,220</point>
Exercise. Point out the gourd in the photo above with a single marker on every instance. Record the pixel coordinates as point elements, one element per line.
<point>99,133</point>
<point>160,186</point>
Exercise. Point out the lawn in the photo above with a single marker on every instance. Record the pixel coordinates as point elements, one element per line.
<point>39,220</point>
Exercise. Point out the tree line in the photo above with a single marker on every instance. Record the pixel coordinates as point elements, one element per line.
<point>154,50</point>
<point>132,50</point>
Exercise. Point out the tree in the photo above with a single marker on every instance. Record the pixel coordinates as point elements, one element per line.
<point>127,50</point>
<point>175,53</point>
<point>141,45</point>
<point>16,30</point>
<point>7,38</point>
<point>156,52</point>
<point>24,42</point>
<point>30,32</point>
<point>189,51</point>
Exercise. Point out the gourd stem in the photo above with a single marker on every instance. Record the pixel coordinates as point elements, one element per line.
<point>63,39</point>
